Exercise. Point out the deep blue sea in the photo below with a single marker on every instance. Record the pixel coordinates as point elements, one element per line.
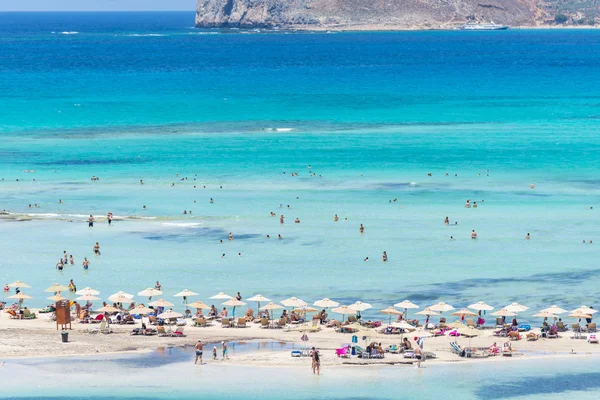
<point>362,118</point>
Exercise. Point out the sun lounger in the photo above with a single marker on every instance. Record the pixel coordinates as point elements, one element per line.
<point>178,332</point>
<point>241,323</point>
<point>161,331</point>
<point>561,326</point>
<point>342,352</point>
<point>264,323</point>
<point>499,323</point>
<point>470,323</point>
<point>591,327</point>
<point>282,323</point>
<point>200,322</point>
<point>225,323</point>
<point>592,338</point>
<point>532,336</point>
<point>514,335</point>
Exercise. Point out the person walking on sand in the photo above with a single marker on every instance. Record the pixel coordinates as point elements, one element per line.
<point>224,351</point>
<point>199,347</point>
<point>316,361</point>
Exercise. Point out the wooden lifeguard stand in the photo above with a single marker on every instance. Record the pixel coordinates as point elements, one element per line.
<point>63,314</point>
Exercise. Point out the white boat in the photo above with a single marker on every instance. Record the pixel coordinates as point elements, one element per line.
<point>477,26</point>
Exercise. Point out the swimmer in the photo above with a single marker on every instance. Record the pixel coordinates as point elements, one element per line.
<point>362,228</point>
<point>468,204</point>
<point>335,218</point>
<point>268,236</point>
<point>384,257</point>
<point>532,186</point>
<point>60,265</point>
<point>474,204</point>
<point>239,254</point>
<point>367,259</point>
<point>60,201</point>
<point>230,236</point>
<point>279,236</point>
<point>109,218</point>
<point>211,201</point>
<point>141,182</point>
<point>473,234</point>
<point>6,288</point>
<point>71,261</point>
<point>297,221</point>
<point>527,236</point>
<point>451,237</point>
<point>281,218</point>
<point>223,256</point>
<point>85,263</point>
<point>184,212</point>
<point>221,241</point>
<point>447,221</point>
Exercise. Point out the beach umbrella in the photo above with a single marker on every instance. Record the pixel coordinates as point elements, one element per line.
<point>456,325</point>
<point>469,332</point>
<point>56,288</point>
<point>359,306</point>
<point>270,307</point>
<point>579,314</point>
<point>141,310</point>
<point>405,304</point>
<point>108,309</point>
<point>19,284</point>
<point>56,297</point>
<point>199,304</point>
<point>185,293</point>
<point>170,314</point>
<point>462,313</point>
<point>554,310</point>
<point>545,314</point>
<point>404,325</point>
<point>87,297</point>
<point>428,311</point>
<point>480,306</point>
<point>150,292</point>
<point>87,292</point>
<point>235,303</point>
<point>441,307</point>
<point>20,296</point>
<point>258,298</point>
<point>516,307</point>
<point>305,309</point>
<point>221,296</point>
<point>161,303</point>
<point>344,310</point>
<point>293,302</point>
<point>391,311</point>
<point>504,313</point>
<point>120,296</point>
<point>585,310</point>
<point>326,303</point>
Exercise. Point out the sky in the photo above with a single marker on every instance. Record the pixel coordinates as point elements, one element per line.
<point>97,5</point>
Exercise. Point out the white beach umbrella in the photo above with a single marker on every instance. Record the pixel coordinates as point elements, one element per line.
<point>326,303</point>
<point>427,312</point>
<point>585,310</point>
<point>161,303</point>
<point>199,304</point>
<point>56,297</point>
<point>406,305</point>
<point>344,310</point>
<point>404,325</point>
<point>441,307</point>
<point>359,306</point>
<point>20,296</point>
<point>19,284</point>
<point>554,310</point>
<point>504,313</point>
<point>120,295</point>
<point>579,314</point>
<point>270,307</point>
<point>87,297</point>
<point>545,314</point>
<point>258,298</point>
<point>149,292</point>
<point>516,307</point>
<point>480,306</point>
<point>141,310</point>
<point>87,292</point>
<point>56,288</point>
<point>305,309</point>
<point>221,296</point>
<point>235,303</point>
<point>391,311</point>
<point>108,309</point>
<point>185,294</point>
<point>462,313</point>
<point>294,302</point>
<point>170,314</point>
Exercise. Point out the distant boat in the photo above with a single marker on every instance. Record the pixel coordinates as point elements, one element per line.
<point>477,26</point>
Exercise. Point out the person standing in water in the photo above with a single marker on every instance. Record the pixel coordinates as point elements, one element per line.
<point>362,228</point>
<point>97,249</point>
<point>281,218</point>
<point>199,347</point>
<point>109,218</point>
<point>85,263</point>
<point>316,361</point>
<point>384,257</point>
<point>446,221</point>
<point>91,221</point>
<point>224,352</point>
<point>473,234</point>
<point>419,355</point>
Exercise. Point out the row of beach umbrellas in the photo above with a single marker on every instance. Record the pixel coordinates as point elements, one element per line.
<point>511,310</point>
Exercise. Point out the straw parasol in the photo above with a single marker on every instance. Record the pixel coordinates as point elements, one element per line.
<point>480,306</point>
<point>391,311</point>
<point>326,303</point>
<point>199,304</point>
<point>56,297</point>
<point>462,313</point>
<point>170,314</point>
<point>359,306</point>
<point>258,298</point>
<point>428,311</point>
<point>120,297</point>
<point>20,296</point>
<point>545,314</point>
<point>586,310</point>
<point>504,313</point>
<point>19,284</point>
<point>516,307</point>
<point>294,302</point>
<point>87,292</point>
<point>441,307</point>
<point>305,309</point>
<point>87,297</point>
<point>579,314</point>
<point>404,325</point>
<point>56,288</point>
<point>109,309</point>
<point>344,310</point>
<point>554,310</point>
<point>150,292</point>
<point>161,303</point>
<point>185,293</point>
<point>405,304</point>
<point>221,296</point>
<point>270,307</point>
<point>141,311</point>
<point>234,303</point>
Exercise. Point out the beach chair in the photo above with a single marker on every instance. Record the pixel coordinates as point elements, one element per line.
<point>241,323</point>
<point>514,335</point>
<point>499,323</point>
<point>591,327</point>
<point>178,332</point>
<point>561,326</point>
<point>153,320</point>
<point>470,323</point>
<point>264,323</point>
<point>342,352</point>
<point>104,327</point>
<point>282,322</point>
<point>352,319</point>
<point>225,323</point>
<point>442,323</point>
<point>532,336</point>
<point>592,338</point>
<point>161,331</point>
<point>200,322</point>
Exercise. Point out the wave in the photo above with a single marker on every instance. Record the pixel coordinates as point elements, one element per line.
<point>204,33</point>
<point>183,224</point>
<point>69,33</point>
<point>278,129</point>
<point>145,35</point>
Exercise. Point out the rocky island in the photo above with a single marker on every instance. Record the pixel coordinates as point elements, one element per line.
<point>383,14</point>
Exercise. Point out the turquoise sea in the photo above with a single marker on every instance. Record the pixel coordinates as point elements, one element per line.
<point>130,96</point>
